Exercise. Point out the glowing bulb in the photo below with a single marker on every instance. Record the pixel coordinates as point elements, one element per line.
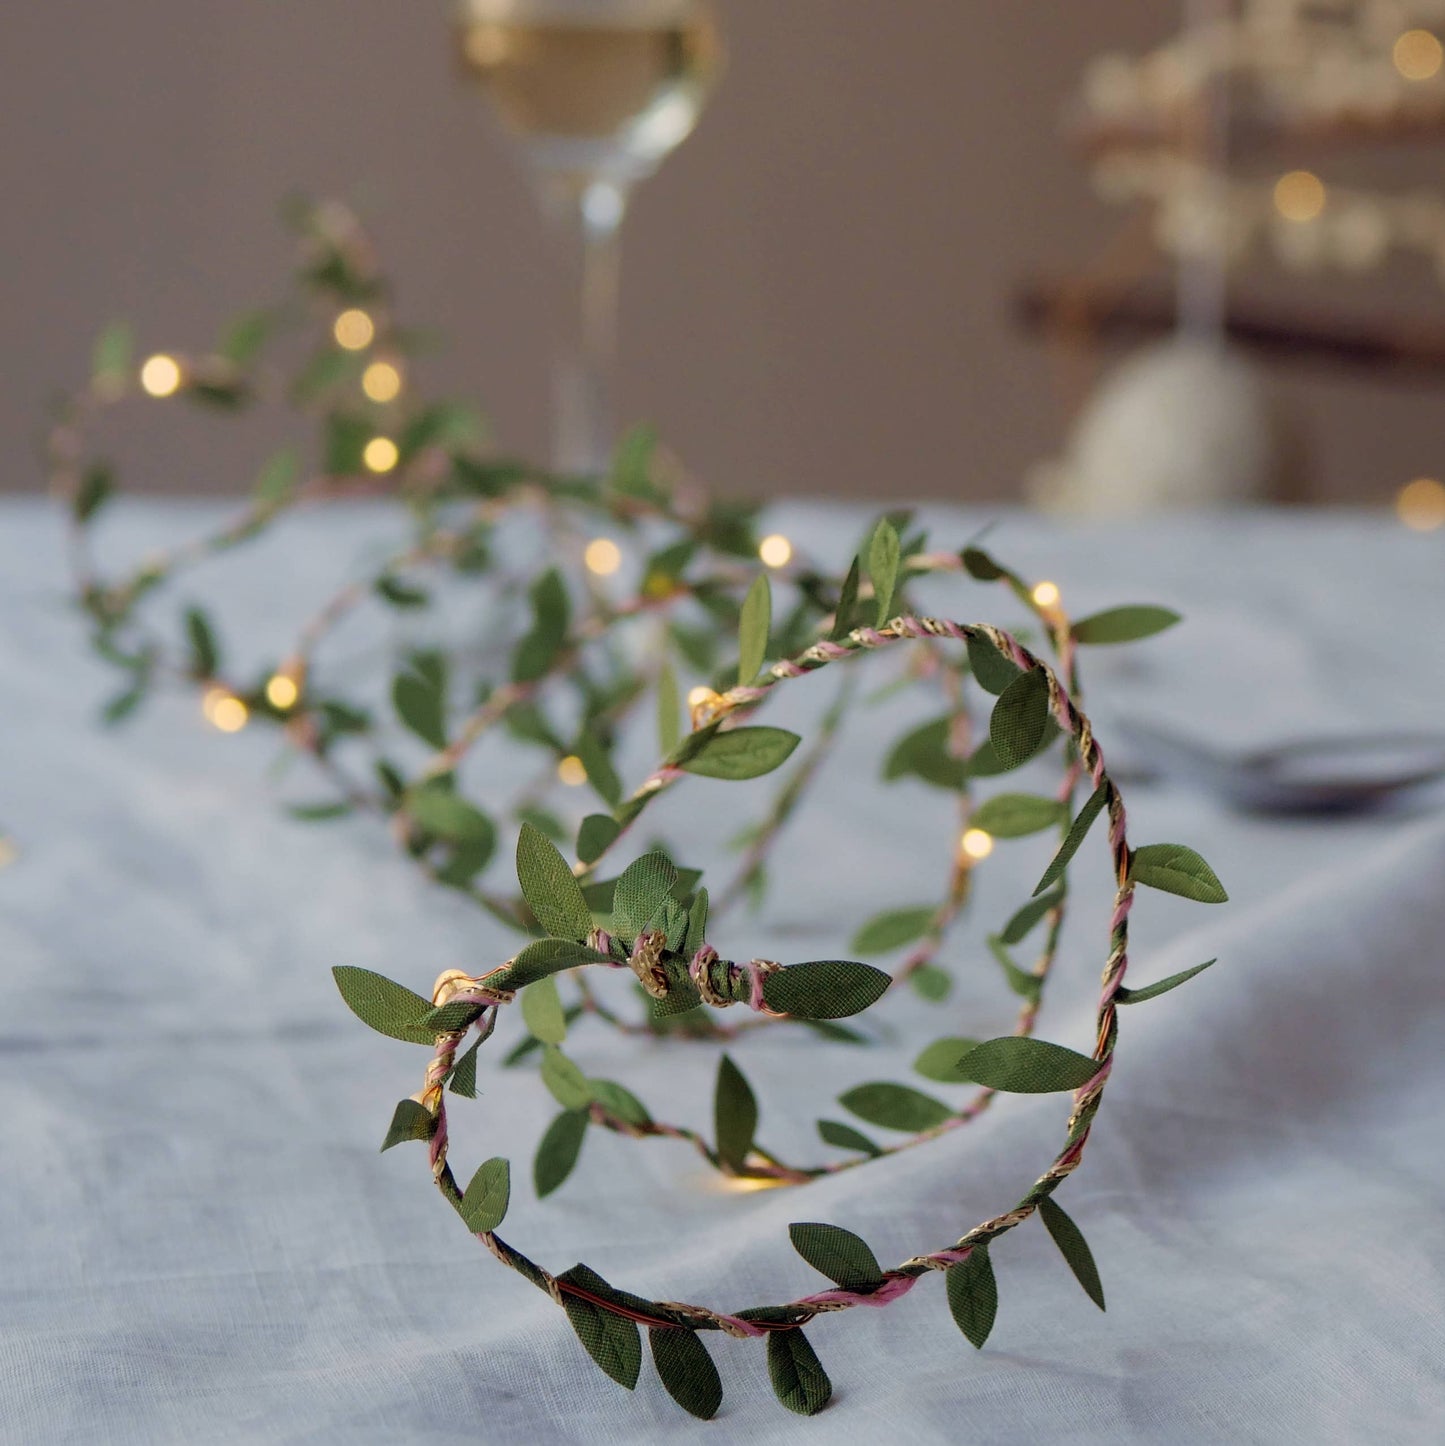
<point>160,376</point>
<point>1299,195</point>
<point>225,711</point>
<point>381,382</point>
<point>1046,594</point>
<point>1419,55</point>
<point>700,695</point>
<point>976,843</point>
<point>603,556</point>
<point>1420,504</point>
<point>572,771</point>
<point>744,1184</point>
<point>776,550</point>
<point>354,330</point>
<point>380,455</point>
<point>281,691</point>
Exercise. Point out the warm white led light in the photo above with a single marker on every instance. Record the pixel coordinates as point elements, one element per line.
<point>354,330</point>
<point>976,844</point>
<point>602,556</point>
<point>776,550</point>
<point>160,376</point>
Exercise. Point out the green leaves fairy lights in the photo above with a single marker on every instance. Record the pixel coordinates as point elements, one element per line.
<point>654,913</point>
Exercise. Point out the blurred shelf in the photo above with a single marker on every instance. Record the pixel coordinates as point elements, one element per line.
<point>1255,129</point>
<point>1397,349</point>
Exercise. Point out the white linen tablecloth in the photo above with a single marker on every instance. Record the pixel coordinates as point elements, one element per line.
<point>200,1242</point>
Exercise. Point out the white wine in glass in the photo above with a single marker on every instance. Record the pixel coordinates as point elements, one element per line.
<point>597,93</point>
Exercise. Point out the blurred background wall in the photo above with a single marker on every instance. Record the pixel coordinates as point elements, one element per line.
<point>815,285</point>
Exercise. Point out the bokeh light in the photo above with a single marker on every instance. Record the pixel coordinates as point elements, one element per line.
<point>1046,594</point>
<point>602,556</point>
<point>381,382</point>
<point>160,375</point>
<point>1299,195</point>
<point>775,550</point>
<point>1418,55</point>
<point>354,330</point>
<point>976,844</point>
<point>1420,504</point>
<point>572,771</point>
<point>380,454</point>
<point>281,691</point>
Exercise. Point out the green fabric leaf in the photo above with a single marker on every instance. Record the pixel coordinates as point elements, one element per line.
<point>742,753</point>
<point>92,492</point>
<point>598,833</point>
<point>558,1150</point>
<point>993,671</point>
<point>1018,728</point>
<point>318,812</point>
<point>484,1203</point>
<point>277,480</point>
<point>735,1115</point>
<point>453,1017</point>
<point>542,1011</point>
<point>1016,815</point>
<point>613,1341</point>
<point>386,1006</point>
<point>544,957</point>
<point>552,893</point>
<point>400,594</point>
<point>411,1121</point>
<point>1025,985</point>
<point>420,705</point>
<point>824,989</point>
<point>1176,870</point>
<point>600,772</point>
<point>463,1079</point>
<point>1074,1248</point>
<point>619,1101</point>
<point>442,812</point>
<point>642,888</point>
<point>893,928</point>
<point>696,935</point>
<point>205,652</point>
<point>798,1377</point>
<point>883,554</point>
<point>112,355</point>
<point>895,1106</point>
<point>1026,1066</point>
<point>1075,836</point>
<point>686,1370</point>
<point>1123,625</point>
<point>754,624</point>
<point>939,1060</point>
<point>931,982</point>
<point>346,439</point>
<point>1153,991</point>
<point>980,566</point>
<point>1022,923</point>
<point>973,1295</point>
<point>923,753</point>
<point>632,464</point>
<point>245,336</point>
<point>843,1257</point>
<point>567,1083</point>
<point>669,710</point>
<point>847,604</point>
<point>845,1137</point>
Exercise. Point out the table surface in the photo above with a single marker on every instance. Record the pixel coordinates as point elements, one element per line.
<point>200,1241</point>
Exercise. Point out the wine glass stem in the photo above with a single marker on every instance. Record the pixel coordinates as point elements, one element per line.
<point>586,212</point>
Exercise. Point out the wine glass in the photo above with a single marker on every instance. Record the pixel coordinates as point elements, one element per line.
<point>597,93</point>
